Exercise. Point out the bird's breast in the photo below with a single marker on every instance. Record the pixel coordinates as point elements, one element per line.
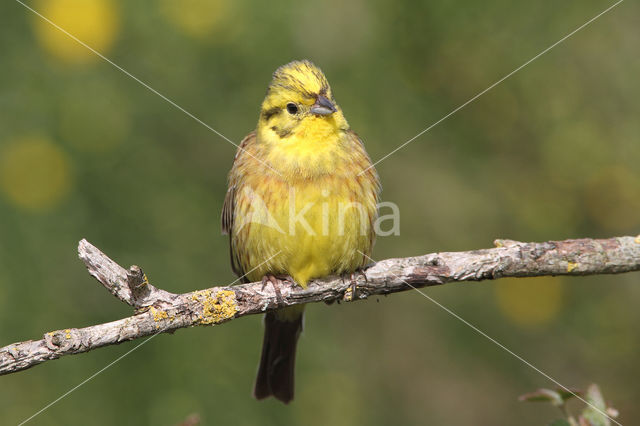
<point>311,228</point>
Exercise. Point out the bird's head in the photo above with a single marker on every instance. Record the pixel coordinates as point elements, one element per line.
<point>299,104</point>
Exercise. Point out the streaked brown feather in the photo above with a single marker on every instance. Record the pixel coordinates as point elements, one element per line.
<point>228,206</point>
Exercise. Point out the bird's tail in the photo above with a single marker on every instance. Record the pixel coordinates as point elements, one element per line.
<point>277,363</point>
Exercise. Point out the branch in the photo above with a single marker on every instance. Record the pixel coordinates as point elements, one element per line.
<point>158,311</point>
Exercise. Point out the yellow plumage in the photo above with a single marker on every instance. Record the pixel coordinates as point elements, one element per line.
<point>297,204</point>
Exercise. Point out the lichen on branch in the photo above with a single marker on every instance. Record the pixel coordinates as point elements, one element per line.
<point>159,311</point>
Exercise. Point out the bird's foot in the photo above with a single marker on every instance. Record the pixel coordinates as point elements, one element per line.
<point>289,280</point>
<point>353,282</point>
<point>277,282</point>
<point>353,279</point>
<point>363,273</point>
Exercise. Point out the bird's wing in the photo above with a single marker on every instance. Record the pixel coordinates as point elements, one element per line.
<point>370,183</point>
<point>228,207</point>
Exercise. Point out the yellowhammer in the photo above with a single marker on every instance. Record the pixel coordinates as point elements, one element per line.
<point>298,206</point>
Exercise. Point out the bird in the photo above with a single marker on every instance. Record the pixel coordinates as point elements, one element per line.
<point>301,204</point>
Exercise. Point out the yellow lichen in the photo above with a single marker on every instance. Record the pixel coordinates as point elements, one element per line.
<point>637,240</point>
<point>571,266</point>
<point>67,334</point>
<point>158,314</point>
<point>348,296</point>
<point>217,307</point>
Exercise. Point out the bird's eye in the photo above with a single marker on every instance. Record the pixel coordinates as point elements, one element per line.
<point>292,108</point>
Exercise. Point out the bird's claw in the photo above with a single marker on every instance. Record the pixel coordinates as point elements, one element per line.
<point>277,282</point>
<point>353,278</point>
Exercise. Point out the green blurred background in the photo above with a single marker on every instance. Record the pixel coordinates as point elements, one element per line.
<point>551,153</point>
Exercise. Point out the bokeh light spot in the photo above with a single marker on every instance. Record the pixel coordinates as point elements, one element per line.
<point>94,22</point>
<point>196,18</point>
<point>34,174</point>
<point>530,302</point>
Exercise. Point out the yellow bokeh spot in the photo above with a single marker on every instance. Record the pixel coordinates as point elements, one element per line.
<point>34,174</point>
<point>530,302</point>
<point>94,22</point>
<point>197,18</point>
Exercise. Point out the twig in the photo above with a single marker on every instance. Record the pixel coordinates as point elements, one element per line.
<point>158,311</point>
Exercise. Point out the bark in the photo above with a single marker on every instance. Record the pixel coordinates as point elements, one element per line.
<point>159,311</point>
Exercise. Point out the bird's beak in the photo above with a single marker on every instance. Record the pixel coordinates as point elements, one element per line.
<point>323,106</point>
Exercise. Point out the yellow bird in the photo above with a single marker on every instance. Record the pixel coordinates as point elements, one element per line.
<point>301,204</point>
